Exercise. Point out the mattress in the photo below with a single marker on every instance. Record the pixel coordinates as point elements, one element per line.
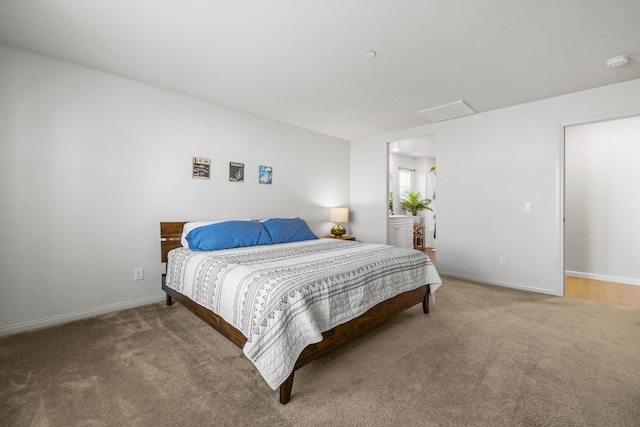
<point>282,297</point>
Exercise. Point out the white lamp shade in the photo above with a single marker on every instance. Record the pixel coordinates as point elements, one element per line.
<point>338,214</point>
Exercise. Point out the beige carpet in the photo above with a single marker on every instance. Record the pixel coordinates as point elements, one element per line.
<point>484,356</point>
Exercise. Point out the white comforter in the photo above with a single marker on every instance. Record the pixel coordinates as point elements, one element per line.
<point>282,297</point>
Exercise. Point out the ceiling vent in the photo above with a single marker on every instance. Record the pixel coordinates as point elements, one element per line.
<point>448,111</point>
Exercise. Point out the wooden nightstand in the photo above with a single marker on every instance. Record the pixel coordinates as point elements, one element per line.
<point>345,237</point>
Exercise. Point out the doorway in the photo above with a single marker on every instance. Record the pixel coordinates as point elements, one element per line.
<point>412,167</point>
<point>602,194</point>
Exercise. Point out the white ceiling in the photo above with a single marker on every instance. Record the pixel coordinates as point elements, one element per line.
<point>422,146</point>
<point>303,62</point>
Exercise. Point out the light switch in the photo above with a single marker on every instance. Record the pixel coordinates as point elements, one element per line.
<point>527,206</point>
<point>633,206</point>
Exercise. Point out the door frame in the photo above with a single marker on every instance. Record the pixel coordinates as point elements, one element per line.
<point>561,171</point>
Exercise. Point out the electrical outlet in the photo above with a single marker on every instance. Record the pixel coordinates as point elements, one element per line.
<point>138,273</point>
<point>503,260</point>
<point>527,206</point>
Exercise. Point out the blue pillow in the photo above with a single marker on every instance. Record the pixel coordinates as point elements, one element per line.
<point>227,235</point>
<point>285,230</point>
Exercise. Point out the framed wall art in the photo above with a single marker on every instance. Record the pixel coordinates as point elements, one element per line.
<point>201,168</point>
<point>266,174</point>
<point>236,172</point>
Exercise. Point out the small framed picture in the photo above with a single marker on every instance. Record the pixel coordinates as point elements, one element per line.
<point>236,172</point>
<point>266,174</point>
<point>201,168</point>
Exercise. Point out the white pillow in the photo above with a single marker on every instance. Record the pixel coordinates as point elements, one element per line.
<point>196,224</point>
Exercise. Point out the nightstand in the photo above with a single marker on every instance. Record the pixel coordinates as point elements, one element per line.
<point>345,237</point>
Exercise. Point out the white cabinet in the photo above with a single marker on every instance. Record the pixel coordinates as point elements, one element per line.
<point>400,231</point>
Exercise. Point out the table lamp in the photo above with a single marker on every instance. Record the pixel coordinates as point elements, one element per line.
<point>338,215</point>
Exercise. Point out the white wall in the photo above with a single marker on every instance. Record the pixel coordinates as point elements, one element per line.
<point>489,164</point>
<point>602,179</point>
<point>91,163</point>
<point>369,170</point>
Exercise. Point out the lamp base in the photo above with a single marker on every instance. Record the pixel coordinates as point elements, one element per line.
<point>338,230</point>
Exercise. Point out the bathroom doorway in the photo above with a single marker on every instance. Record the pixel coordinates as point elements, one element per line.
<point>412,167</point>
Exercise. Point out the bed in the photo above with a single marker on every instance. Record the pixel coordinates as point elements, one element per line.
<point>287,301</point>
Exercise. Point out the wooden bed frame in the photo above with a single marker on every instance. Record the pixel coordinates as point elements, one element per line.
<point>170,234</point>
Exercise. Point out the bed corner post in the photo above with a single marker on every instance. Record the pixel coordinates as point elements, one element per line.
<point>425,301</point>
<point>285,390</point>
<point>168,299</point>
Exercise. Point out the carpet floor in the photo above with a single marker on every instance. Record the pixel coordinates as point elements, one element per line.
<point>484,356</point>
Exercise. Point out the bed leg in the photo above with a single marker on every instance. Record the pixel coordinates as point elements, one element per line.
<point>425,303</point>
<point>169,300</point>
<point>285,390</point>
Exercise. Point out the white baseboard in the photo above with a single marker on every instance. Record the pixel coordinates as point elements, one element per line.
<point>603,277</point>
<point>63,318</point>
<point>454,275</point>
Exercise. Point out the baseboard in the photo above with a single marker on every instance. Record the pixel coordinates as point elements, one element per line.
<point>603,277</point>
<point>454,275</point>
<point>63,318</point>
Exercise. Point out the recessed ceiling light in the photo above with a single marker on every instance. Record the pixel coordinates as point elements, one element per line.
<point>370,54</point>
<point>617,61</point>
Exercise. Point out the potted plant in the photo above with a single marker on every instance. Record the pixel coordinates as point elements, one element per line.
<point>414,203</point>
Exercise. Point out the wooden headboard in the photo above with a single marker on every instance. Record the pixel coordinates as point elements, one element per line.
<point>170,234</point>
